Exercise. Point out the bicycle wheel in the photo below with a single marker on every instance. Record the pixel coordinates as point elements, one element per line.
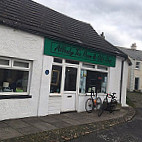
<point>89,105</point>
<point>98,103</point>
<point>101,110</point>
<point>114,105</point>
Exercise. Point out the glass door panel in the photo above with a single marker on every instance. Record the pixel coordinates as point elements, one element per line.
<point>70,79</point>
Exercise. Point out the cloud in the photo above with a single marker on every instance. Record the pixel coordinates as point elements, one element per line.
<point>120,20</point>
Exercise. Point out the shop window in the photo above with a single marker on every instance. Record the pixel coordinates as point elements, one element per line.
<point>14,80</point>
<point>71,62</point>
<point>57,60</point>
<point>137,65</point>
<point>56,75</point>
<point>89,79</point>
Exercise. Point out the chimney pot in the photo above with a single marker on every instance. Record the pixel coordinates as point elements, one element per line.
<point>133,46</point>
<point>102,35</point>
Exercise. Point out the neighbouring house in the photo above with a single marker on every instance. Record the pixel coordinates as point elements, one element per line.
<point>49,61</point>
<point>135,70</point>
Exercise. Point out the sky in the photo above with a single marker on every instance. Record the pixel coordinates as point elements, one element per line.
<point>120,20</point>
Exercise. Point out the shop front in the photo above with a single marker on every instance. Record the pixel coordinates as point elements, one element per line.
<point>73,71</point>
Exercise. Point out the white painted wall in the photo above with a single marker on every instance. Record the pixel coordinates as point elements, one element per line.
<point>44,99</point>
<point>114,78</point>
<point>22,45</point>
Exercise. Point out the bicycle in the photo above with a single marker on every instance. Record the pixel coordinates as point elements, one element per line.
<point>93,103</point>
<point>108,106</point>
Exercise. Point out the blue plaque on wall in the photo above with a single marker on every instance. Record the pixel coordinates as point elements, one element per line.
<point>47,72</point>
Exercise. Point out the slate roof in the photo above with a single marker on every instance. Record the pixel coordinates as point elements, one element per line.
<point>134,54</point>
<point>37,19</point>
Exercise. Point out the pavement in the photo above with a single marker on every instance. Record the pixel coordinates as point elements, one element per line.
<point>60,127</point>
<point>131,131</point>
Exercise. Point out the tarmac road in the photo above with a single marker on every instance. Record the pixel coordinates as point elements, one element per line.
<point>127,132</point>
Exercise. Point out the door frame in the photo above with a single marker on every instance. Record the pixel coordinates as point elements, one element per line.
<point>77,82</point>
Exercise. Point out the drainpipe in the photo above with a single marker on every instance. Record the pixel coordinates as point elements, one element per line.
<point>121,80</point>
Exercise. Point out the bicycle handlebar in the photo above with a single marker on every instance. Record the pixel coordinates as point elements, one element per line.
<point>112,96</point>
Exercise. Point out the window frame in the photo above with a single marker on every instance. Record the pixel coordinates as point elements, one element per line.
<point>11,67</point>
<point>61,65</point>
<point>4,66</point>
<point>95,70</point>
<point>79,67</point>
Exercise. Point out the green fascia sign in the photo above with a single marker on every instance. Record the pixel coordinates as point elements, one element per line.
<point>67,51</point>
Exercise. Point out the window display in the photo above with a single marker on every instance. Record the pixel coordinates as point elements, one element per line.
<point>13,80</point>
<point>14,75</point>
<point>56,79</point>
<point>95,79</point>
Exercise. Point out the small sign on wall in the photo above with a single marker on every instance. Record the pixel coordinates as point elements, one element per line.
<point>47,72</point>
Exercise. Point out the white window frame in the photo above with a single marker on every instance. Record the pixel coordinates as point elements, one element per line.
<point>61,65</point>
<point>22,61</point>
<point>79,67</point>
<point>11,67</point>
<point>4,58</point>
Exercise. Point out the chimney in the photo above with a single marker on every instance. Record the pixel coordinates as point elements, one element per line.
<point>102,35</point>
<point>133,46</point>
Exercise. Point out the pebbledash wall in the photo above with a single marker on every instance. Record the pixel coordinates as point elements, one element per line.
<point>24,46</point>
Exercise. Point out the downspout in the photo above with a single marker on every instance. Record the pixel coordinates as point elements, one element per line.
<point>121,80</point>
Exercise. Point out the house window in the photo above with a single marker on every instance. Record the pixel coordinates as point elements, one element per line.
<point>137,65</point>
<point>14,75</point>
<point>95,79</point>
<point>55,86</point>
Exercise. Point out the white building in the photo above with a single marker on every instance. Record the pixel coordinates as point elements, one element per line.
<point>134,71</point>
<point>48,62</point>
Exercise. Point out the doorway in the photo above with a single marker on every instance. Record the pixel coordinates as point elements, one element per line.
<point>137,83</point>
<point>70,91</point>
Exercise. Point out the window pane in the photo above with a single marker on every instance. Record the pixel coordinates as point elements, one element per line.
<point>57,60</point>
<point>90,79</point>
<point>72,62</point>
<point>102,68</point>
<point>21,64</point>
<point>13,80</point>
<point>88,65</point>
<point>56,79</point>
<point>70,79</point>
<point>4,62</point>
